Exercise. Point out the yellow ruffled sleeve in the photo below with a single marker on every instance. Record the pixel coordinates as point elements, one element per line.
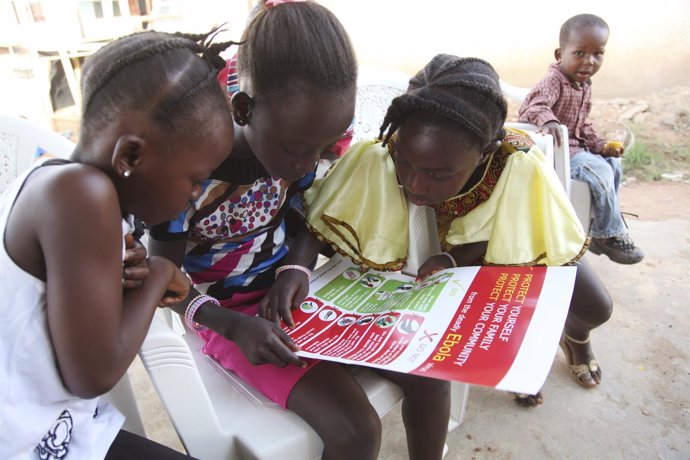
<point>528,218</point>
<point>360,209</point>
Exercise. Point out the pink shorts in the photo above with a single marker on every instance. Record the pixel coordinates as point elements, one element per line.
<point>276,383</point>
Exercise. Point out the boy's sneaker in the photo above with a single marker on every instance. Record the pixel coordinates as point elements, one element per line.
<point>620,249</point>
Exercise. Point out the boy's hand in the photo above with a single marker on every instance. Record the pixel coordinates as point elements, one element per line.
<point>263,341</point>
<point>288,291</point>
<point>134,267</point>
<point>432,265</point>
<point>553,128</point>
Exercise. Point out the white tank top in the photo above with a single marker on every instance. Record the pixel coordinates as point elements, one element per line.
<point>39,418</point>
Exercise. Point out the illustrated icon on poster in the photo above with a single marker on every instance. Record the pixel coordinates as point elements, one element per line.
<point>385,321</point>
<point>408,326</point>
<point>346,321</point>
<point>370,281</point>
<point>327,315</point>
<point>351,274</point>
<point>365,320</point>
<point>309,306</point>
<point>403,288</point>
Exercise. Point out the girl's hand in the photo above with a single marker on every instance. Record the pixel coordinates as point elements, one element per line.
<point>288,291</point>
<point>553,128</point>
<point>263,341</point>
<point>135,269</point>
<point>432,265</point>
<point>178,289</point>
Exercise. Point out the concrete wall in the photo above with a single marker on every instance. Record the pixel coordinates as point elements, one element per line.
<point>648,49</point>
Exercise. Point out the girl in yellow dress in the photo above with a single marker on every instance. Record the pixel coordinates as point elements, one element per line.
<point>497,200</point>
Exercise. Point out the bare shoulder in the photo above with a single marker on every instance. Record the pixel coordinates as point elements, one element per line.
<point>62,208</point>
<point>76,187</point>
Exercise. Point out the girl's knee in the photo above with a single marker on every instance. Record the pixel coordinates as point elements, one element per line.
<point>357,434</point>
<point>591,308</point>
<point>602,310</point>
<point>436,390</point>
<point>591,304</point>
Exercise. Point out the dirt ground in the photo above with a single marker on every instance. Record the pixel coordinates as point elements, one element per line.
<point>658,121</point>
<point>656,201</point>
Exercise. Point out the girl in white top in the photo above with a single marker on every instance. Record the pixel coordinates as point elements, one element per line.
<point>154,125</point>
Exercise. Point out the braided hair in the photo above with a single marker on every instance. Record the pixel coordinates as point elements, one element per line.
<point>456,92</point>
<point>171,77</point>
<point>579,21</point>
<point>300,43</point>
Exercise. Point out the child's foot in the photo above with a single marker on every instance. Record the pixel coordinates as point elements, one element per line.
<point>581,361</point>
<point>619,249</point>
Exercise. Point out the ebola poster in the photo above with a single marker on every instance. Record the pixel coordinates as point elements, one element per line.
<point>490,326</point>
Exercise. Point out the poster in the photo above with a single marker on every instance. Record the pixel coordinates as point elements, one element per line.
<point>490,326</point>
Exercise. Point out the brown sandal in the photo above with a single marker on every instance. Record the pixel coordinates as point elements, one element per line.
<point>588,375</point>
<point>525,400</point>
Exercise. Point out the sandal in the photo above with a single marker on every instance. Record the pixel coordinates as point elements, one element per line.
<point>525,400</point>
<point>588,375</point>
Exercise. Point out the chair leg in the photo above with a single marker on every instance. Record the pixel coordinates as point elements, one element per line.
<point>122,397</point>
<point>458,402</point>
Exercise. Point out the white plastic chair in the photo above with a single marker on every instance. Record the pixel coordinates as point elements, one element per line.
<point>219,416</point>
<point>578,191</point>
<point>215,413</point>
<point>377,86</point>
<point>20,140</point>
<point>424,243</point>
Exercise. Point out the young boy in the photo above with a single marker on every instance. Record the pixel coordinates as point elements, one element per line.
<point>564,96</point>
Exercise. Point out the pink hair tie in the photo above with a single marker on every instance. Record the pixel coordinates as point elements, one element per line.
<point>271,3</point>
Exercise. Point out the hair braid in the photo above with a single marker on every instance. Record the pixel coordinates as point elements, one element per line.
<point>299,43</point>
<point>135,55</point>
<point>130,74</point>
<point>463,92</point>
<point>210,51</point>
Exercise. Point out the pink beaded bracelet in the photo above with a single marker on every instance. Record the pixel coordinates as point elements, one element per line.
<point>304,270</point>
<point>193,306</point>
<point>451,258</point>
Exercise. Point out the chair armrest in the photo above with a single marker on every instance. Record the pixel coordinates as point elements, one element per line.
<point>174,374</point>
<point>422,238</point>
<point>562,160</point>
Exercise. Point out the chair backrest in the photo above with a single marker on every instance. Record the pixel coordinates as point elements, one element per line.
<point>217,415</point>
<point>376,88</point>
<point>20,141</point>
<point>514,92</point>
